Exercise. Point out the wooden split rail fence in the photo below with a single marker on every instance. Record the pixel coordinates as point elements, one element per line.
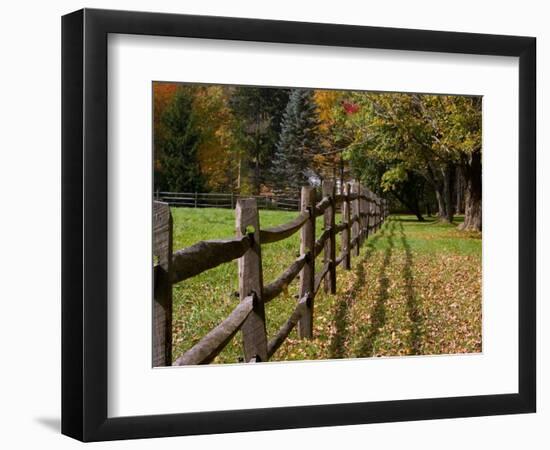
<point>362,213</point>
<point>221,200</point>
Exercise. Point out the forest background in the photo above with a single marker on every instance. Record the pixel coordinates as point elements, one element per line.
<point>422,152</point>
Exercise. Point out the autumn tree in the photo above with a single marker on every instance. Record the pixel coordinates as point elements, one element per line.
<point>163,93</point>
<point>465,126</point>
<point>218,151</point>
<point>429,135</point>
<point>455,122</point>
<point>177,167</point>
<point>333,111</point>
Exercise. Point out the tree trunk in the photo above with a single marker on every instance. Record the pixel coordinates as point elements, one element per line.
<point>440,203</point>
<point>472,198</point>
<point>444,193</point>
<point>239,173</point>
<point>417,211</point>
<point>412,207</point>
<point>448,184</point>
<point>257,181</point>
<point>419,216</point>
<point>444,204</point>
<point>459,189</point>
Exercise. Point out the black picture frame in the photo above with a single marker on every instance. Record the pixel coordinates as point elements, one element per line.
<point>84,224</point>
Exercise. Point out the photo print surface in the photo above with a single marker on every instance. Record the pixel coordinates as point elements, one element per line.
<point>313,224</point>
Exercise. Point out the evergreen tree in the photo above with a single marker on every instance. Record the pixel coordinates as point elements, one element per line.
<point>258,111</point>
<point>177,164</point>
<point>298,143</point>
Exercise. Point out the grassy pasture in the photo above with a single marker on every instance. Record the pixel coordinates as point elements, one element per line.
<point>414,289</point>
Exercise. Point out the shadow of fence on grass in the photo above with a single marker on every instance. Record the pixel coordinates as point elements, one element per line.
<point>412,300</point>
<point>341,314</point>
<point>378,316</point>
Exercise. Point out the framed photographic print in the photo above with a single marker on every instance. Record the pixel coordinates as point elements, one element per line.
<point>273,224</point>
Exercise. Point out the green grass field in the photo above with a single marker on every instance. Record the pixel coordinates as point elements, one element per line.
<point>414,289</point>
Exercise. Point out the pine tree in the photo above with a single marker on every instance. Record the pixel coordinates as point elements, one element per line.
<point>259,112</point>
<point>298,143</point>
<point>178,168</point>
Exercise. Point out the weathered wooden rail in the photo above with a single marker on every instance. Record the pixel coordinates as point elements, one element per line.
<point>362,214</point>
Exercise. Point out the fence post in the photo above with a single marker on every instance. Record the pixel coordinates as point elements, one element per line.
<point>360,212</point>
<point>355,212</point>
<point>368,200</point>
<point>196,199</point>
<point>370,217</point>
<point>363,205</point>
<point>364,213</point>
<point>377,214</point>
<point>251,281</point>
<point>307,274</point>
<point>162,298</point>
<point>330,243</point>
<point>373,206</point>
<point>368,210</point>
<point>346,231</point>
<point>232,200</point>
